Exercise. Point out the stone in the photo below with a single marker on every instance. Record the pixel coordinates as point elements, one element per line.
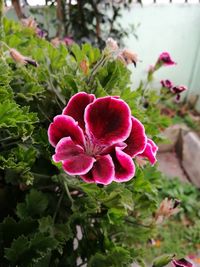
<point>169,165</point>
<point>191,157</point>
<point>172,134</point>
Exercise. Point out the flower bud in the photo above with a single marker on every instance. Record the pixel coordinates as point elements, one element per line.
<point>163,260</point>
<point>19,58</point>
<point>111,44</point>
<point>128,57</point>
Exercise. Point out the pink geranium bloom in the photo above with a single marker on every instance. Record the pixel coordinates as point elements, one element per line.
<point>167,84</point>
<point>182,263</point>
<point>165,59</point>
<point>97,139</point>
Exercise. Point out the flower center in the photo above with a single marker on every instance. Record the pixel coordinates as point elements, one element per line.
<point>92,148</point>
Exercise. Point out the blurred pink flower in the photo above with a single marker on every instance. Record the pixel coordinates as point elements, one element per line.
<point>68,41</point>
<point>111,44</point>
<point>19,58</point>
<point>97,139</point>
<point>167,84</point>
<point>177,90</point>
<point>127,57</point>
<point>165,59</point>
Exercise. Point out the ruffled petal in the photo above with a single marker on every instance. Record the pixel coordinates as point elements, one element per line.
<point>64,126</point>
<point>137,139</point>
<point>102,171</point>
<point>108,120</point>
<point>76,107</point>
<point>150,152</point>
<point>124,166</point>
<point>182,263</point>
<point>73,157</point>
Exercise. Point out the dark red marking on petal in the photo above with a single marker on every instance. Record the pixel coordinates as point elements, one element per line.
<point>108,120</point>
<point>76,107</point>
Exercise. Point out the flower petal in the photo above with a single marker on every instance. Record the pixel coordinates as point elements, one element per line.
<point>64,126</point>
<point>150,152</point>
<point>102,171</point>
<point>137,139</point>
<point>76,107</point>
<point>108,120</point>
<point>73,157</point>
<point>182,263</point>
<point>124,166</point>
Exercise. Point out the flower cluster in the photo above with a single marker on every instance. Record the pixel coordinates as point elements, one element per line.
<point>175,90</point>
<point>98,138</point>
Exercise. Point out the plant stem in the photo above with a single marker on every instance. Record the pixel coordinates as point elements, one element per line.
<point>58,205</point>
<point>99,64</point>
<point>67,191</point>
<point>42,176</point>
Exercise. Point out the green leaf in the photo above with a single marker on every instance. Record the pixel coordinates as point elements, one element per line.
<point>118,257</point>
<point>35,205</point>
<point>18,248</point>
<point>163,260</point>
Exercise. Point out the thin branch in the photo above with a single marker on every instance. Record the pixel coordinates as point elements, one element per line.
<point>18,10</point>
<point>96,12</point>
<point>58,205</point>
<point>67,191</point>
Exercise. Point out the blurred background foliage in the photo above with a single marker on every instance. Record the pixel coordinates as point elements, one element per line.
<point>84,21</point>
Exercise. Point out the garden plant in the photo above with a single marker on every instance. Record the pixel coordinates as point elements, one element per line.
<point>79,184</point>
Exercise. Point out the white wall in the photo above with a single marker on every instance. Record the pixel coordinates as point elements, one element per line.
<point>174,28</point>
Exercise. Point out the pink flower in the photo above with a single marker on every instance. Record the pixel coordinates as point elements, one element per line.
<point>177,90</point>
<point>19,58</point>
<point>111,44</point>
<point>97,139</point>
<point>165,59</point>
<point>127,57</point>
<point>68,41</point>
<point>149,152</point>
<point>182,263</point>
<point>167,84</point>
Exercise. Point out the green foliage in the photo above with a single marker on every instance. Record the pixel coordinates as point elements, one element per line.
<point>183,229</point>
